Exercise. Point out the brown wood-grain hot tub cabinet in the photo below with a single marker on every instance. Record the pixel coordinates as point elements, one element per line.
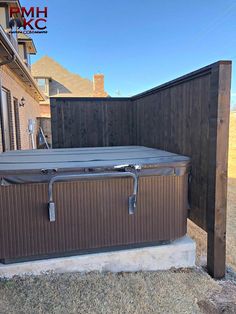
<point>71,201</point>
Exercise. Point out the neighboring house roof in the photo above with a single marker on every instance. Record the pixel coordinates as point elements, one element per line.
<point>64,83</point>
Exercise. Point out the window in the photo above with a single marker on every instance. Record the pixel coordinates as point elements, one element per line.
<point>5,116</point>
<point>10,122</point>
<point>43,84</point>
<point>21,48</point>
<point>24,55</point>
<point>28,60</point>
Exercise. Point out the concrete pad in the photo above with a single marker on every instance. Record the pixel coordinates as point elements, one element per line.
<point>179,253</point>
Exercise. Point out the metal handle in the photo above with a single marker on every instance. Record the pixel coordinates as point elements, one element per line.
<point>132,204</point>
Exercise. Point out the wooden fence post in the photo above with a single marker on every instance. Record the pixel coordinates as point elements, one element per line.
<point>217,164</point>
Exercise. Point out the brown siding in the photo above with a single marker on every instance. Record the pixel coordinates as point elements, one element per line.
<point>90,215</point>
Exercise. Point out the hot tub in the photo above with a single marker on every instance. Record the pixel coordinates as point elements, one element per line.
<point>61,202</point>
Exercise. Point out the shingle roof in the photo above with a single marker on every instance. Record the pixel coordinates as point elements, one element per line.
<point>68,83</point>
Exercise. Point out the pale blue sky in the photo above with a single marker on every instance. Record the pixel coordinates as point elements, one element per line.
<point>138,44</point>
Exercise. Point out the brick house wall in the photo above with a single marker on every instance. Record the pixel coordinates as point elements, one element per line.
<point>45,110</point>
<point>31,110</point>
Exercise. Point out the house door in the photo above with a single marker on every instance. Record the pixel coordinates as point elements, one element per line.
<point>5,121</point>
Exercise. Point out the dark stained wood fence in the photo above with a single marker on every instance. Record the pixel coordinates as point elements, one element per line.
<point>87,122</point>
<point>189,116</point>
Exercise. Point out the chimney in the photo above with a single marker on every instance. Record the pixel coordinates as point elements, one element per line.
<point>98,86</point>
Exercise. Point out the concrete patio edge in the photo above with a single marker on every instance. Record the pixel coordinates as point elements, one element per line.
<point>178,254</point>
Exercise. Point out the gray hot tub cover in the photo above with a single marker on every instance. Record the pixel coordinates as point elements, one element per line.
<point>36,166</point>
